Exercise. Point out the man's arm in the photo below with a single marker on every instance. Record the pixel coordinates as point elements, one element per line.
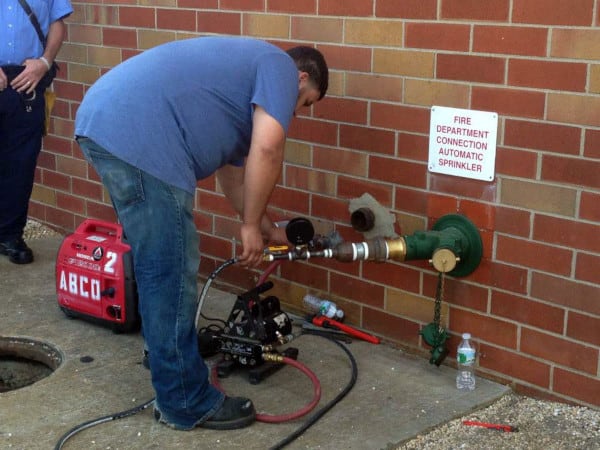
<point>261,172</point>
<point>231,181</point>
<point>55,38</point>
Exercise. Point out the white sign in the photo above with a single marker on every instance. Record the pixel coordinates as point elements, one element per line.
<point>462,142</point>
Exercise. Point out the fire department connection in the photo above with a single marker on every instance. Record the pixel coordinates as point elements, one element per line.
<point>95,281</point>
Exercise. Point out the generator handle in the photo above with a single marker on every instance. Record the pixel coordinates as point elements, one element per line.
<point>102,227</point>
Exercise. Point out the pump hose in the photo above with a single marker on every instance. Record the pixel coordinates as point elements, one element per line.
<point>267,418</point>
<point>261,417</point>
<point>270,418</point>
<point>268,271</point>
<point>290,416</point>
<point>325,409</point>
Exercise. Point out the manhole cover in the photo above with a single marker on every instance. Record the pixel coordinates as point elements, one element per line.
<point>25,361</point>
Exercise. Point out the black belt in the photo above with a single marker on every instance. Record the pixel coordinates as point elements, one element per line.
<point>12,71</point>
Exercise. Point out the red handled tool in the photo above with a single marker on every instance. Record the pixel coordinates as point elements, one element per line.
<point>493,426</point>
<point>324,322</point>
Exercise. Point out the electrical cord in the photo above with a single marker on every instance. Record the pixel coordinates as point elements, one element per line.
<point>85,425</point>
<point>266,418</point>
<point>321,412</point>
<point>210,328</point>
<point>206,287</point>
<point>119,415</point>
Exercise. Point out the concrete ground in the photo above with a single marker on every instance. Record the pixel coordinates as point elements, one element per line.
<point>396,396</point>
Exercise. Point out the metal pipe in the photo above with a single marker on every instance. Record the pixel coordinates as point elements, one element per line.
<point>363,219</point>
<point>452,246</point>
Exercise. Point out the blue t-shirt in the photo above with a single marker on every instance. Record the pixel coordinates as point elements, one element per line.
<point>18,38</point>
<point>183,109</point>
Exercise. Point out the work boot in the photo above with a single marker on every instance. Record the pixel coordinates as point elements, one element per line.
<point>17,251</point>
<point>234,413</point>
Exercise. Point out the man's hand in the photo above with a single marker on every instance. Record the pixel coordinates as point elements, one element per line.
<point>26,81</point>
<point>252,246</point>
<point>3,80</point>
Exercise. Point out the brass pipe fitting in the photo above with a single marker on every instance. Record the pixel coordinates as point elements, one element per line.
<point>272,357</point>
<point>377,249</point>
<point>452,246</point>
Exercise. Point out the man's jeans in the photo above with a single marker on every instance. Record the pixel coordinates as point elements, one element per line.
<point>158,223</point>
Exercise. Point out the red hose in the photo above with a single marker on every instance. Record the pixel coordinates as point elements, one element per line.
<point>271,418</point>
<point>302,411</point>
<point>268,271</point>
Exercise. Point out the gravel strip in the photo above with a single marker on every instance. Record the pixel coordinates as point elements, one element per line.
<point>36,230</point>
<point>541,424</point>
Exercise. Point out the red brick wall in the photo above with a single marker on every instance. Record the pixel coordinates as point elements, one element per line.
<point>534,303</point>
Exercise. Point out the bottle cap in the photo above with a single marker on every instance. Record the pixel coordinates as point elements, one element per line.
<point>466,336</point>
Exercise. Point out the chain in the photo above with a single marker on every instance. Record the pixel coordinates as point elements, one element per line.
<point>439,297</point>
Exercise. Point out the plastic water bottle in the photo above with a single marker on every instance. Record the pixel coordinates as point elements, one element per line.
<point>465,357</point>
<point>323,307</point>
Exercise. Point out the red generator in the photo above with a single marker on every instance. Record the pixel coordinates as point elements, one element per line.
<point>95,279</point>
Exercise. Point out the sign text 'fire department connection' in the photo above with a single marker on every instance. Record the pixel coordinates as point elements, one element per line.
<point>462,142</point>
